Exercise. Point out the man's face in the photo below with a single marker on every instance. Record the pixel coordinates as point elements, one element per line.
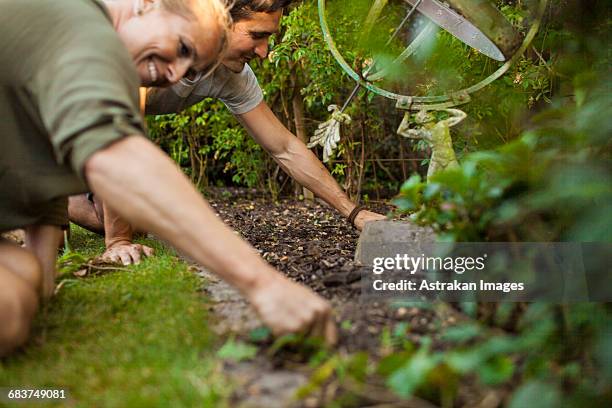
<point>164,46</point>
<point>250,39</point>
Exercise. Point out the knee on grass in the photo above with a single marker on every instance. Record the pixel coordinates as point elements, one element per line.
<point>18,304</point>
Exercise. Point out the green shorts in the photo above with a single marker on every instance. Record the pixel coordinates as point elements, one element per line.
<point>54,212</point>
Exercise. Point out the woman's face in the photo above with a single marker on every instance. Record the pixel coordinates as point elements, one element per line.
<point>164,46</point>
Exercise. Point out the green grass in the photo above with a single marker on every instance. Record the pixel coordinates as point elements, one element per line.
<point>136,338</point>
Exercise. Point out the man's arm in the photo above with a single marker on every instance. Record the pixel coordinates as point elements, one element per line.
<point>299,162</point>
<point>163,201</point>
<point>288,151</point>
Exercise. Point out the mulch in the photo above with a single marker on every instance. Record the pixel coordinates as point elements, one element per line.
<point>313,244</point>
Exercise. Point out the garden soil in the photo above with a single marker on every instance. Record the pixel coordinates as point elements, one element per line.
<point>314,245</point>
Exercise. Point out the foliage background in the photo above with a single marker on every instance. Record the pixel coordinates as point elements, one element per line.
<point>300,79</point>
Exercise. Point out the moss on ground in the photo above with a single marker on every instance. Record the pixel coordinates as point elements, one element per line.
<point>136,338</point>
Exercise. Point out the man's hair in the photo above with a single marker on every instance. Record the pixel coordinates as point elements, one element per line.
<point>243,9</point>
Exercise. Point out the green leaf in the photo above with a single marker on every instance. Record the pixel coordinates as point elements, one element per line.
<point>392,363</point>
<point>319,377</point>
<point>260,334</point>
<point>501,344</point>
<point>404,203</point>
<point>283,341</point>
<point>400,330</point>
<point>469,169</point>
<point>411,375</point>
<point>462,333</point>
<point>431,190</point>
<point>358,366</point>
<point>237,351</point>
<point>497,370</point>
<point>447,237</point>
<point>547,395</point>
<point>469,308</point>
<point>465,361</point>
<point>346,325</point>
<point>385,338</point>
<point>412,183</point>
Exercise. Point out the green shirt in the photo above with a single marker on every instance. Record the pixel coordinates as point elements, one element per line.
<point>68,87</point>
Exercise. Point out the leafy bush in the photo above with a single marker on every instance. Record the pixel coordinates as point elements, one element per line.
<point>553,183</point>
<point>208,143</point>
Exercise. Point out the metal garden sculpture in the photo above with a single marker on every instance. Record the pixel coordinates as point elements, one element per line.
<point>477,23</point>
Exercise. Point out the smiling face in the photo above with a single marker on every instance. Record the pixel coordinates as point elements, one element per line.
<point>164,46</point>
<point>249,39</point>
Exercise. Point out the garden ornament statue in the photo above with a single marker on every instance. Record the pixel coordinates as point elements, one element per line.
<point>437,135</point>
<point>328,135</point>
<point>476,23</point>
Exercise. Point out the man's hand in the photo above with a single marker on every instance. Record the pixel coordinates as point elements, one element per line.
<point>287,307</point>
<point>367,216</point>
<point>126,253</point>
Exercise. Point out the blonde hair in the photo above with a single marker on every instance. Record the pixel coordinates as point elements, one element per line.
<point>219,10</point>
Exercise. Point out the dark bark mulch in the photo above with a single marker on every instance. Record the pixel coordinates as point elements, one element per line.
<point>314,245</point>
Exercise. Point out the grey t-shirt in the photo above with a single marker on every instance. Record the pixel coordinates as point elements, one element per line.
<point>240,92</point>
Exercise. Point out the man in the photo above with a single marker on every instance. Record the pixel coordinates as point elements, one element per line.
<point>70,120</point>
<point>236,85</point>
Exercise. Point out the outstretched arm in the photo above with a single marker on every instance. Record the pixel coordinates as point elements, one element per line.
<point>163,201</point>
<point>299,162</point>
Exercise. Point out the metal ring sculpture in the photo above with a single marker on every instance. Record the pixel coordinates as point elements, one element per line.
<point>430,102</point>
